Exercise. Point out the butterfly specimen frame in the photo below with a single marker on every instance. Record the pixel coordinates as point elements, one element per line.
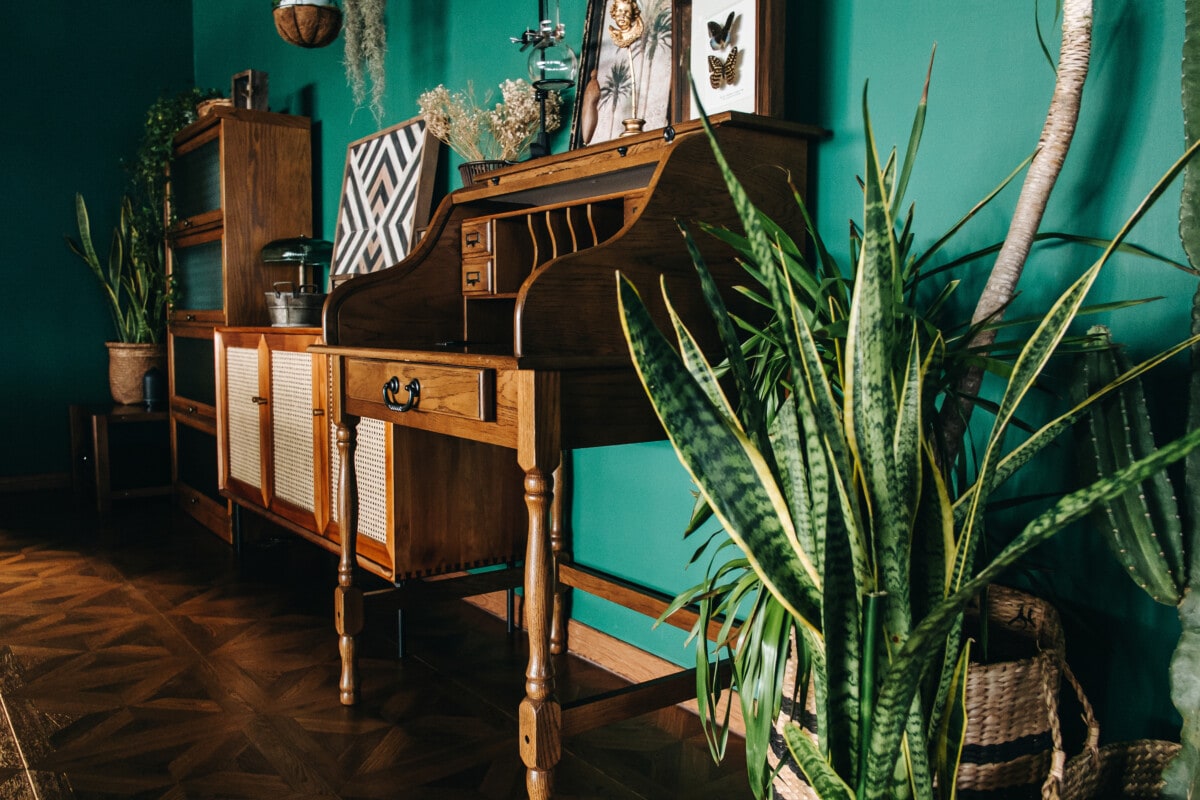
<point>733,51</point>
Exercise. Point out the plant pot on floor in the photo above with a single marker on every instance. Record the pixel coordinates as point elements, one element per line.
<point>1121,770</point>
<point>128,364</point>
<point>1013,741</point>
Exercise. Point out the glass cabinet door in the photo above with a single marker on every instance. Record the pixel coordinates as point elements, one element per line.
<point>196,271</point>
<point>196,181</point>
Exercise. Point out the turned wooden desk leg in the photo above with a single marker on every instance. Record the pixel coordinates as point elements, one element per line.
<point>538,453</point>
<point>540,715</point>
<point>560,550</point>
<point>347,598</point>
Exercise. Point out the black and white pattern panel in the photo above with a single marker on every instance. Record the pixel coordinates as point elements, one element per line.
<point>379,198</point>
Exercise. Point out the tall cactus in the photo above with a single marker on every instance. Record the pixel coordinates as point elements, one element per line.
<point>1156,548</point>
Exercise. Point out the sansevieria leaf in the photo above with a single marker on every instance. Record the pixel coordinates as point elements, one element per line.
<point>730,474</point>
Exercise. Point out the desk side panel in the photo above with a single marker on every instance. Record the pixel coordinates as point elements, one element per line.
<point>569,307</point>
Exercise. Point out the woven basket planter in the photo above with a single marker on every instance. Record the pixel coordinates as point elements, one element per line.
<point>308,26</point>
<point>127,368</point>
<point>1013,744</point>
<point>1124,770</point>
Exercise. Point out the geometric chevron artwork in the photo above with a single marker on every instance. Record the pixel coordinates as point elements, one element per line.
<point>386,194</point>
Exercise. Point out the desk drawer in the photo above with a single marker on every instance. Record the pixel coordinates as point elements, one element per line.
<point>463,392</point>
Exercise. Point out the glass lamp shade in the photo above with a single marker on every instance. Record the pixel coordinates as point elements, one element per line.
<point>298,250</point>
<point>301,251</point>
<point>552,66</point>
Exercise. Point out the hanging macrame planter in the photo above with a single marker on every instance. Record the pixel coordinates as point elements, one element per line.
<point>308,25</point>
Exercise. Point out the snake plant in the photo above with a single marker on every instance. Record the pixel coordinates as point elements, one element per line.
<point>837,496</point>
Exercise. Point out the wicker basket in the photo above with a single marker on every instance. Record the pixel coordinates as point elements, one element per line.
<point>473,172</point>
<point>789,782</point>
<point>1123,770</point>
<point>127,368</point>
<point>1013,742</point>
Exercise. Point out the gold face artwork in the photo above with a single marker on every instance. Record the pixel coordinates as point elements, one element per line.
<point>628,18</point>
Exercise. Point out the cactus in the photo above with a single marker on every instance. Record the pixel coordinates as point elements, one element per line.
<point>1158,550</point>
<point>1142,527</point>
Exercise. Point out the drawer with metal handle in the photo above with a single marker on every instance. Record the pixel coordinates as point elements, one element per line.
<point>398,387</point>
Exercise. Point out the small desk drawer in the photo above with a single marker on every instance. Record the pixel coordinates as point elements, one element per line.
<point>477,237</point>
<point>477,275</point>
<point>464,392</point>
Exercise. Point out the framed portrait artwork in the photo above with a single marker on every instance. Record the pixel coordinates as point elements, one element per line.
<point>387,194</point>
<point>732,50</point>
<point>626,70</point>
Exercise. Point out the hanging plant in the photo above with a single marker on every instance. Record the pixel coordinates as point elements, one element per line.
<point>313,23</point>
<point>366,45</point>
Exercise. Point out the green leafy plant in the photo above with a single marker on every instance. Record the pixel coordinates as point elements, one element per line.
<point>136,293</point>
<point>1154,536</point>
<point>366,46</point>
<point>135,281</point>
<point>838,491</point>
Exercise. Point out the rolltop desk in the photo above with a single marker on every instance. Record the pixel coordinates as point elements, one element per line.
<point>497,344</point>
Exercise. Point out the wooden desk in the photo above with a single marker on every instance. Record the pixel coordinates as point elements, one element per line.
<point>91,455</point>
<point>501,331</point>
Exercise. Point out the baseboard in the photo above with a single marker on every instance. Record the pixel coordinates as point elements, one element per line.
<point>611,654</point>
<point>33,483</point>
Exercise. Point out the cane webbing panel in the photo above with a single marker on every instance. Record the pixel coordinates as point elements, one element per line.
<point>370,471</point>
<point>292,428</point>
<point>241,379</point>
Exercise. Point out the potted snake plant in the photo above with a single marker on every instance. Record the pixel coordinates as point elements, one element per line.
<point>840,490</point>
<point>134,280</point>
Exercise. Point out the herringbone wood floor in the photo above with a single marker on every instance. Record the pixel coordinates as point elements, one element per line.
<point>143,659</point>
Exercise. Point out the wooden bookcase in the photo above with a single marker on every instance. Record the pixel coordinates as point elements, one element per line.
<point>239,179</point>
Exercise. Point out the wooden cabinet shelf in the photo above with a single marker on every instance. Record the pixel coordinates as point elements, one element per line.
<point>239,179</point>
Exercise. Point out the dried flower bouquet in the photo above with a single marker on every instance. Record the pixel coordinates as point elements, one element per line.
<point>479,133</point>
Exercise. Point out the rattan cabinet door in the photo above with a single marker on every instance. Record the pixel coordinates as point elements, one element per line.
<point>244,406</point>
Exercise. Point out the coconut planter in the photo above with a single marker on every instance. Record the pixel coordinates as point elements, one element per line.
<point>308,25</point>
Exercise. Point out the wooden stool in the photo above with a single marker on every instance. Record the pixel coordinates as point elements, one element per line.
<point>90,454</point>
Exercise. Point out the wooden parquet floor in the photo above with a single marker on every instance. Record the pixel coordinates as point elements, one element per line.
<point>143,659</point>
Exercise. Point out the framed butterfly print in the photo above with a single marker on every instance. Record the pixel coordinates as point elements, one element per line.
<point>733,50</point>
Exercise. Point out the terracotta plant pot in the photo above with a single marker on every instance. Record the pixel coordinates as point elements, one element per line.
<point>127,367</point>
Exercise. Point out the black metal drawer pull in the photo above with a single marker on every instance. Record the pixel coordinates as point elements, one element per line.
<point>390,389</point>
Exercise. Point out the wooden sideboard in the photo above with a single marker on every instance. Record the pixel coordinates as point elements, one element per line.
<point>499,336</point>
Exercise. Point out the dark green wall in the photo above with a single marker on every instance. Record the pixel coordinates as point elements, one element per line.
<point>989,94</point>
<point>78,80</point>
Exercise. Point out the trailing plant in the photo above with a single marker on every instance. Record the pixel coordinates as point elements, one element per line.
<point>365,32</point>
<point>147,190</point>
<point>840,501</point>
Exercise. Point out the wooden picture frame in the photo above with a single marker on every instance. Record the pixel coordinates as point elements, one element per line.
<point>599,108</point>
<point>706,31</point>
<point>387,197</point>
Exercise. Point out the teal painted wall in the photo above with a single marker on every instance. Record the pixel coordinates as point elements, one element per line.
<point>988,97</point>
<point>78,80</point>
